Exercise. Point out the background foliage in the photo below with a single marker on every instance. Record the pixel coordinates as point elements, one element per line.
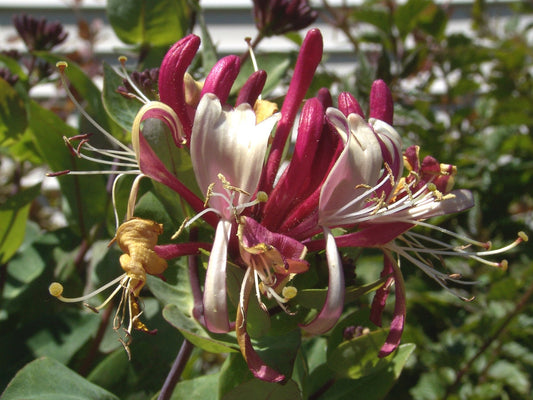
<point>464,98</point>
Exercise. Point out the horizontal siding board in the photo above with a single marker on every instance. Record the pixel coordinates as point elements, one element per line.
<point>229,22</point>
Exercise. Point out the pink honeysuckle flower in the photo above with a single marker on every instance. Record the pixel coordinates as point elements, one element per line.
<point>228,150</point>
<point>366,193</point>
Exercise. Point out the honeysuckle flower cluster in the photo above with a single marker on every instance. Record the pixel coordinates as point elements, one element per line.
<point>344,186</point>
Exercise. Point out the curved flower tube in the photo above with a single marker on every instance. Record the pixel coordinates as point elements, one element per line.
<point>227,152</point>
<point>332,309</point>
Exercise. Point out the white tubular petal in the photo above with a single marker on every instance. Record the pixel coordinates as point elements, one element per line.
<point>332,308</point>
<point>359,164</point>
<point>215,299</point>
<point>385,131</point>
<point>463,200</point>
<point>228,142</point>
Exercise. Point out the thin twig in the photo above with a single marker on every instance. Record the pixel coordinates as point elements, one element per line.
<point>175,372</point>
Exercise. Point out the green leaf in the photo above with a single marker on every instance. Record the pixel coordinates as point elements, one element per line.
<point>359,356</point>
<point>157,22</point>
<point>375,386</point>
<point>64,334</point>
<point>176,289</point>
<point>13,66</point>
<point>86,196</point>
<point>315,298</point>
<point>408,14</point>
<point>47,379</point>
<point>204,387</point>
<point>112,371</point>
<point>259,390</point>
<point>119,108</point>
<point>512,375</point>
<point>14,214</point>
<point>378,16</point>
<point>13,118</point>
<point>196,334</point>
<point>236,382</point>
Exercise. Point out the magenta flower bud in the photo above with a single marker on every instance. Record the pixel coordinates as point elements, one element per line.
<point>171,76</point>
<point>324,96</point>
<point>381,105</point>
<point>221,77</point>
<point>251,90</point>
<point>294,183</point>
<point>349,105</point>
<point>306,65</point>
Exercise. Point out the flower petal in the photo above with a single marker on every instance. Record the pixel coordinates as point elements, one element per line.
<point>304,71</point>
<point>381,104</point>
<point>332,309</point>
<point>293,185</point>
<point>221,77</point>
<point>291,252</point>
<point>257,366</point>
<point>398,320</point>
<point>171,76</point>
<point>215,298</point>
<point>462,200</point>
<point>357,168</point>
<point>151,165</point>
<point>380,298</point>
<point>349,105</point>
<point>253,87</point>
<point>228,142</point>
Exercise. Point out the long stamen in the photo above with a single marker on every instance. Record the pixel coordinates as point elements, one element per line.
<point>114,154</point>
<point>62,65</point>
<point>261,197</point>
<point>140,95</point>
<point>107,172</point>
<point>439,277</point>
<point>133,196</point>
<point>114,163</point>
<point>449,233</point>
<point>117,289</point>
<point>56,290</point>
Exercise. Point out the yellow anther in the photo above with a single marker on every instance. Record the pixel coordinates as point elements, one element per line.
<point>262,197</point>
<point>264,109</point>
<point>522,235</point>
<point>192,89</point>
<point>289,292</point>
<point>61,65</point>
<point>122,60</point>
<point>55,289</point>
<point>504,265</point>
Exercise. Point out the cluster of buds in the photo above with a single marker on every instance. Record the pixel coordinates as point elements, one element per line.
<point>6,75</point>
<point>346,171</point>
<point>39,34</point>
<point>145,80</point>
<point>276,17</point>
